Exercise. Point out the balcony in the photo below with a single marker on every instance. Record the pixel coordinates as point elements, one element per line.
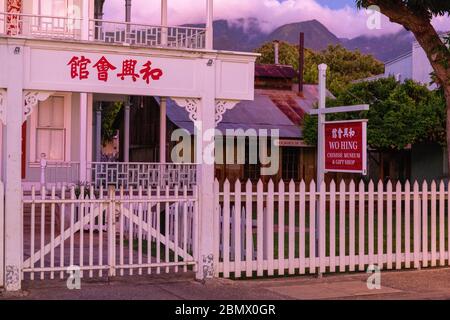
<point>101,31</point>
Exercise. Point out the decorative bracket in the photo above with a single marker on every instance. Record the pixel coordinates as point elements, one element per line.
<point>191,106</point>
<point>31,100</point>
<point>3,106</point>
<point>222,106</point>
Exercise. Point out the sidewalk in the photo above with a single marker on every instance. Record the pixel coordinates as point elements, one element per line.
<point>425,284</point>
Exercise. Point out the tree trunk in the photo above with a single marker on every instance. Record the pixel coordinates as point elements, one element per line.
<point>447,100</point>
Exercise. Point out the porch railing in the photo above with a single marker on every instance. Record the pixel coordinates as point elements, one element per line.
<point>132,174</point>
<point>147,35</point>
<point>40,26</point>
<point>118,174</point>
<point>114,32</point>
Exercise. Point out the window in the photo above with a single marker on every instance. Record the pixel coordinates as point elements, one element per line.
<point>290,164</point>
<point>50,130</point>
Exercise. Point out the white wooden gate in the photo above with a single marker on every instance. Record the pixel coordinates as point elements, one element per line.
<point>109,232</point>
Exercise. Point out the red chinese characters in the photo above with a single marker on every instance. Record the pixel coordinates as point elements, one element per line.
<point>103,66</point>
<point>128,70</point>
<point>79,69</point>
<point>147,72</point>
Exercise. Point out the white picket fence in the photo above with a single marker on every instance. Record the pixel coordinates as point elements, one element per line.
<point>298,229</point>
<point>109,232</point>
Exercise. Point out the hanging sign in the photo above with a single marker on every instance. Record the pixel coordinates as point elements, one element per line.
<point>346,146</point>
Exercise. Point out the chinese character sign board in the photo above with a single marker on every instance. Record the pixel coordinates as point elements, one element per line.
<point>346,146</point>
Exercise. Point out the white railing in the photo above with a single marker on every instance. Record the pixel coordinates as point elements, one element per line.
<point>274,232</point>
<point>40,26</point>
<point>58,173</point>
<point>112,32</point>
<point>144,231</point>
<point>133,174</point>
<point>147,35</point>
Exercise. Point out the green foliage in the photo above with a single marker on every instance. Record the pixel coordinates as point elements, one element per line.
<point>400,114</point>
<point>344,66</point>
<point>109,115</point>
<point>429,7</point>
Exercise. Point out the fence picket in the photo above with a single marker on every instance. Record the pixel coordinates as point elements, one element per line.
<point>281,212</point>
<point>389,225</point>
<point>33,229</point>
<point>380,225</point>
<point>238,229</point>
<point>417,214</point>
<point>248,229</point>
<point>352,226</point>
<point>342,233</point>
<point>270,228</point>
<point>259,230</point>
<point>398,226</point>
<point>433,224</point>
<point>371,223</point>
<point>91,231</point>
<point>291,228</point>
<point>425,224</point>
<point>302,216</point>
<point>226,229</point>
<point>442,224</point>
<point>407,220</point>
<point>62,229</point>
<point>361,216</point>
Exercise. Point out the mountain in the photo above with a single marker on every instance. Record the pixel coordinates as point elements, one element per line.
<point>317,36</point>
<point>384,48</point>
<point>248,35</point>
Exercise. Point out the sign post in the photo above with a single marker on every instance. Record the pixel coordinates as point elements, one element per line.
<point>346,140</point>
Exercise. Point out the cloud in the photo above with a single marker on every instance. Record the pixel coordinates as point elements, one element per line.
<point>345,22</point>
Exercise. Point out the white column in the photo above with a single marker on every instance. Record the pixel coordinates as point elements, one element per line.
<point>126,142</point>
<point>85,20</point>
<point>164,22</point>
<point>321,124</point>
<point>320,145</point>
<point>98,133</point>
<point>209,24</point>
<point>162,130</point>
<point>205,173</point>
<point>83,136</point>
<point>13,167</point>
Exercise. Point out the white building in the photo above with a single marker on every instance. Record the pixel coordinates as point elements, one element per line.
<point>411,65</point>
<point>56,62</point>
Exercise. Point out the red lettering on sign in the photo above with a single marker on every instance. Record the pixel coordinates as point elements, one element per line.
<point>147,72</point>
<point>103,66</point>
<point>345,147</point>
<point>78,67</point>
<point>129,70</point>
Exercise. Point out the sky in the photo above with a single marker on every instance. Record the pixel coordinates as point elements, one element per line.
<point>340,16</point>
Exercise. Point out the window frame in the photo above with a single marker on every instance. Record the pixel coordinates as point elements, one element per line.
<point>34,159</point>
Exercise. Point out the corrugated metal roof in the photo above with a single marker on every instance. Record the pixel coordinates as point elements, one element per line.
<point>262,113</point>
<point>275,71</point>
